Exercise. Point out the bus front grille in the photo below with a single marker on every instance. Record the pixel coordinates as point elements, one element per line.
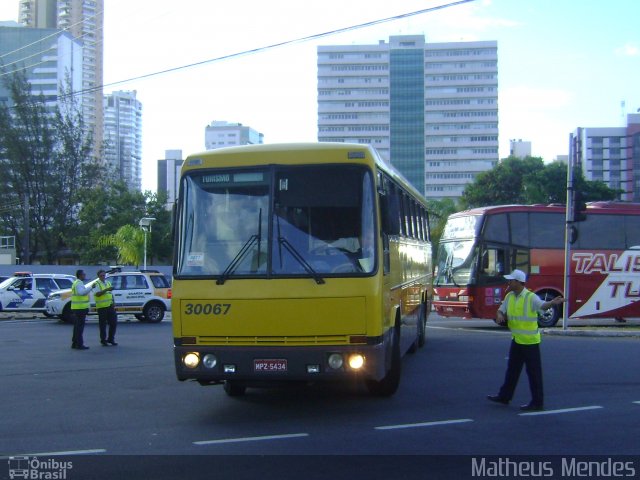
<point>276,340</point>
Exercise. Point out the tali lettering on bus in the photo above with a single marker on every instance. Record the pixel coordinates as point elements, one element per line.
<point>621,286</point>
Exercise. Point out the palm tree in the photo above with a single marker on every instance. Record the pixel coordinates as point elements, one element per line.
<point>129,241</point>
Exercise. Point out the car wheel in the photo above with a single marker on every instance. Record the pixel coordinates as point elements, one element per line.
<point>153,312</point>
<point>67,315</point>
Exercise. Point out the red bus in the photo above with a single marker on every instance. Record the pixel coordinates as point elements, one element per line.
<point>479,246</point>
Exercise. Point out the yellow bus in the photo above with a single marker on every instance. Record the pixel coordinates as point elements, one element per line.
<point>298,263</point>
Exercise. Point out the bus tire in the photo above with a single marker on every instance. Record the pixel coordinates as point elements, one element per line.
<point>388,385</point>
<point>153,312</point>
<point>422,335</point>
<point>233,389</point>
<point>549,317</point>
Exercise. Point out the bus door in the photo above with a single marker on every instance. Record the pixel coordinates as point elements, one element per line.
<point>495,262</point>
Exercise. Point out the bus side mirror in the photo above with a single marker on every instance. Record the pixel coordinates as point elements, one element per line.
<point>390,212</point>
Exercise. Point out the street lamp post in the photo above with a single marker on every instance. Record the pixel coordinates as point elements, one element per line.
<point>145,225</point>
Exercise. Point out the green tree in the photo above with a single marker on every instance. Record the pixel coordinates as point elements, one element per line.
<point>45,159</point>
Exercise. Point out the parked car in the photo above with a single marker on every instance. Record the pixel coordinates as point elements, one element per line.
<point>145,293</point>
<point>28,292</point>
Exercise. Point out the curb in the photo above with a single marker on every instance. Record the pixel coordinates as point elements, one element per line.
<point>591,333</point>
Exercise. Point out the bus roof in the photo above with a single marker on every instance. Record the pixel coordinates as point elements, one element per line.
<point>288,154</point>
<point>592,207</point>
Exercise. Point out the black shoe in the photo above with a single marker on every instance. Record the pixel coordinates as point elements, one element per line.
<point>112,342</point>
<point>81,347</point>
<point>104,343</point>
<point>498,399</point>
<point>531,407</point>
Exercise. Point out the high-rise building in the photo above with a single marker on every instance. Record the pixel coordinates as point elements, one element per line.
<point>123,136</point>
<point>84,20</point>
<point>610,155</point>
<point>169,175</point>
<point>221,134</point>
<point>519,148</point>
<point>48,58</point>
<point>431,109</point>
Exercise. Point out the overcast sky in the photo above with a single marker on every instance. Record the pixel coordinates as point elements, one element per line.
<point>561,63</point>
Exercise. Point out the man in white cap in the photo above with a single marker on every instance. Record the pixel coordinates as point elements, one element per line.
<point>519,311</point>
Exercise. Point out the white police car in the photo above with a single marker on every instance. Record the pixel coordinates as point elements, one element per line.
<point>146,294</point>
<point>28,292</point>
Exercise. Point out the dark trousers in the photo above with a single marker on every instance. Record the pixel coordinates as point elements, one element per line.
<point>519,356</point>
<point>107,316</point>
<point>79,318</point>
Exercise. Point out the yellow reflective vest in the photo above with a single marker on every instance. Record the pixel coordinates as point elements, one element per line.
<point>522,318</point>
<point>106,298</point>
<point>78,302</point>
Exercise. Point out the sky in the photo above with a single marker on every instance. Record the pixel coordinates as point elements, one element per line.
<point>562,64</point>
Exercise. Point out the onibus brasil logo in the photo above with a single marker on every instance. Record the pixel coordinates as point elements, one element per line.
<point>36,469</point>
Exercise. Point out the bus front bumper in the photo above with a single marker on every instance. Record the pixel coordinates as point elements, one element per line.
<point>453,309</point>
<point>264,365</point>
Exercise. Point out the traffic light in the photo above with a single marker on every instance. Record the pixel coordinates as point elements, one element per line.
<point>579,207</point>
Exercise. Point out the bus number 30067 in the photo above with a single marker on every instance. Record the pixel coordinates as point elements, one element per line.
<point>207,308</point>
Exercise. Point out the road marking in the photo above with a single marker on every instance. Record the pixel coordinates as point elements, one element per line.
<point>636,402</point>
<point>424,424</point>
<point>250,439</point>
<point>66,452</point>
<point>561,410</point>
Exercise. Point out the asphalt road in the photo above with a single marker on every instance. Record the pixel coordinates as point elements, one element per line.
<point>125,400</point>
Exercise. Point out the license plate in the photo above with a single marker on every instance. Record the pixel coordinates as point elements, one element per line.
<point>270,365</point>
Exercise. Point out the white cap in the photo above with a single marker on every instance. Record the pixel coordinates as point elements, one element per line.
<point>518,275</point>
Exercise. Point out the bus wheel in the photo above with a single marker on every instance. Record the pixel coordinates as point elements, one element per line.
<point>389,384</point>
<point>549,317</point>
<point>233,389</point>
<point>422,335</point>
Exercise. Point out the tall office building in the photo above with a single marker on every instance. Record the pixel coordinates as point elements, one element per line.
<point>47,57</point>
<point>221,134</point>
<point>84,20</point>
<point>519,148</point>
<point>431,109</point>
<point>123,136</point>
<point>169,175</point>
<point>610,155</point>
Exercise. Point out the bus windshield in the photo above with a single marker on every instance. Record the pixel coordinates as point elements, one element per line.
<point>277,221</point>
<point>456,263</point>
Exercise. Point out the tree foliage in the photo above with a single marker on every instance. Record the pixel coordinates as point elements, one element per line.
<point>45,161</point>
<point>530,181</point>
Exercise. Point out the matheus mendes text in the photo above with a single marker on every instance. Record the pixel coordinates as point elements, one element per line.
<point>558,468</point>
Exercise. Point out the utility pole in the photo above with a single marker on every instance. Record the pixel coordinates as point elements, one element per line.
<point>25,248</point>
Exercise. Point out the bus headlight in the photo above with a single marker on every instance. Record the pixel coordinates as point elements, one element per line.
<point>209,360</point>
<point>191,360</point>
<point>335,361</point>
<point>356,361</point>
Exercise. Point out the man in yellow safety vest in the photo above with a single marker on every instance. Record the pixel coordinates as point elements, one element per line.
<point>519,311</point>
<point>79,309</point>
<point>106,309</point>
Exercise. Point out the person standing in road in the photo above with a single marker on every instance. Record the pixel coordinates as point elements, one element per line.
<point>106,309</point>
<point>79,309</point>
<point>519,311</point>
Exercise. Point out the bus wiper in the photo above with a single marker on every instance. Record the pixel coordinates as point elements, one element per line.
<point>300,259</point>
<point>246,248</point>
<point>295,254</point>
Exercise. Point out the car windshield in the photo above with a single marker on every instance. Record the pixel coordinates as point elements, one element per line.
<point>279,221</point>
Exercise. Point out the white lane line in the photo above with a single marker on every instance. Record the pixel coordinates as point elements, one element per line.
<point>561,410</point>
<point>251,439</point>
<point>424,424</point>
<point>636,403</point>
<point>66,452</point>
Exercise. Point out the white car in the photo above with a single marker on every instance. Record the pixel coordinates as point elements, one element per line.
<point>28,292</point>
<point>146,294</point>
